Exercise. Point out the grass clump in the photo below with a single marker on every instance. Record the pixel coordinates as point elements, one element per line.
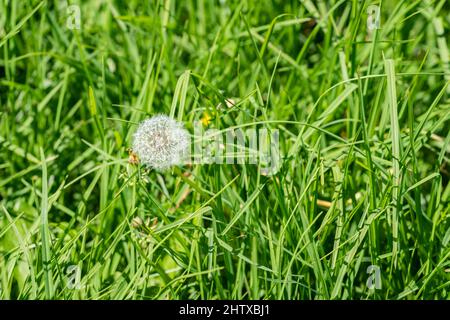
<point>359,208</point>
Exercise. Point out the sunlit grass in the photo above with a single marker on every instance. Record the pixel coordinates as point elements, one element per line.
<point>363,117</point>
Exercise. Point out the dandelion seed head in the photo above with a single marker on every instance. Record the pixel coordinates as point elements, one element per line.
<point>161,142</point>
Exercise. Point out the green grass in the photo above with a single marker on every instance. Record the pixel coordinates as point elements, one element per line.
<point>364,141</point>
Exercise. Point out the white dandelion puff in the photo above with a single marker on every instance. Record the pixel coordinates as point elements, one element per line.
<point>161,142</point>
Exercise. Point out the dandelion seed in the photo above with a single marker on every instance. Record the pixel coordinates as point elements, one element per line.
<point>161,142</point>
